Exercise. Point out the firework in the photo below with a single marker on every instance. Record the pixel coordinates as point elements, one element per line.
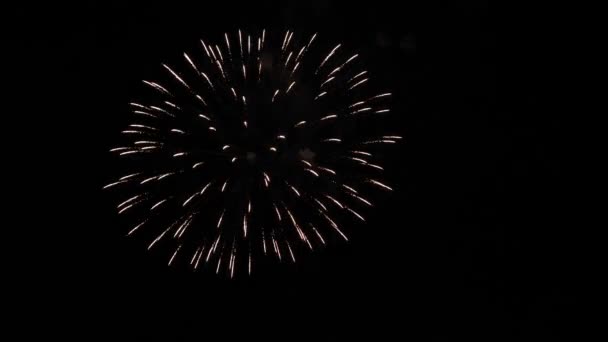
<point>250,148</point>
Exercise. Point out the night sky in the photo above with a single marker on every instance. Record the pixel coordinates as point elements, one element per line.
<point>467,247</point>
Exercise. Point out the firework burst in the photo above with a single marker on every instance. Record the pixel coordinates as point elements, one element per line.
<point>250,148</point>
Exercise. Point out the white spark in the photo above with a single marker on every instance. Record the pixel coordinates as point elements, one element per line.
<point>191,63</point>
<point>288,58</point>
<point>381,95</point>
<point>112,184</point>
<point>335,201</point>
<point>326,81</point>
<point>132,132</point>
<point>356,214</point>
<point>219,52</point>
<point>159,237</point>
<point>362,152</point>
<point>219,222</point>
<point>300,53</point>
<point>332,116</point>
<point>208,80</point>
<point>375,182</point>
<point>349,60</point>
<point>313,172</point>
<point>158,204</point>
<point>200,254</point>
<point>276,209</point>
<point>294,69</point>
<point>334,71</point>
<point>144,113</point>
<point>180,231</point>
<point>179,154</point>
<point>128,201</point>
<point>380,141</point>
<point>171,104</point>
<point>176,76</point>
<point>327,170</point>
<point>227,42</point>
<point>349,188</point>
<point>375,166</point>
<point>362,161</point>
<point>143,126</point>
<point>165,175</point>
<point>201,99</point>
<point>205,46</point>
<point>311,40</point>
<point>318,234</point>
<point>194,256</point>
<point>328,57</point>
<point>356,104</point>
<point>294,189</point>
<point>149,179</point>
<point>137,105</point>
<point>276,248</point>
<point>245,226</point>
<point>334,226</point>
<point>358,83</point>
<point>290,86</point>
<point>197,165</point>
<point>357,75</point>
<point>205,188</point>
<point>299,124</point>
<point>240,44</point>
<point>189,199</point>
<point>285,40</point>
<point>293,258</point>
<point>320,203</point>
<point>174,254</point>
<point>321,95</point>
<point>136,227</point>
<point>289,39</point>
<point>366,109</point>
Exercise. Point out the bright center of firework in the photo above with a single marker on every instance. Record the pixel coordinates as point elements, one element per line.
<point>251,157</point>
<point>307,154</point>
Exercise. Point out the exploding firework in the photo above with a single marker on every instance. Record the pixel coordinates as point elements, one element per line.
<point>251,148</point>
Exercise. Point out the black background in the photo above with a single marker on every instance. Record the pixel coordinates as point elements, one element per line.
<point>469,246</point>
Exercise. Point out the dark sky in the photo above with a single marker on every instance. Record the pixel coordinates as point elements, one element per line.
<point>466,248</point>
